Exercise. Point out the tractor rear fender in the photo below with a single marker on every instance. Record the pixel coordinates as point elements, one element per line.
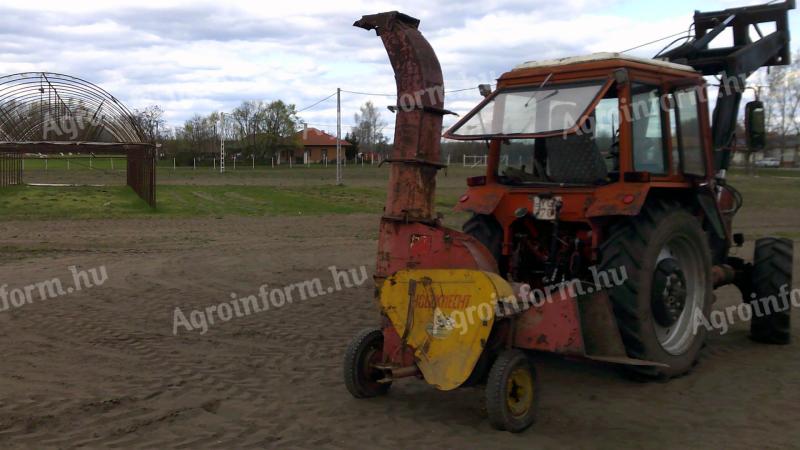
<point>612,200</point>
<point>617,200</point>
<point>483,200</point>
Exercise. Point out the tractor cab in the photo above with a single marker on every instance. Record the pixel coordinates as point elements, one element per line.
<point>577,145</point>
<point>591,121</point>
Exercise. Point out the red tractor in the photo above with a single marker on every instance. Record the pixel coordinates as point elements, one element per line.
<point>600,229</point>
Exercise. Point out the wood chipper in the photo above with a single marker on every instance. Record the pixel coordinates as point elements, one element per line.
<point>599,230</point>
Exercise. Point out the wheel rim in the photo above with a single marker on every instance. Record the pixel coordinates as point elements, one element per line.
<point>370,374</point>
<point>679,286</point>
<point>519,392</point>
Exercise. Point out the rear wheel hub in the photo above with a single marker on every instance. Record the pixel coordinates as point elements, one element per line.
<point>669,292</point>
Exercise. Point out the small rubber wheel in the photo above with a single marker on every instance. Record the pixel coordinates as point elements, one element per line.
<point>360,377</point>
<point>512,392</point>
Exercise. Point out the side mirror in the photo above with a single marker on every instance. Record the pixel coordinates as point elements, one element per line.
<point>755,125</point>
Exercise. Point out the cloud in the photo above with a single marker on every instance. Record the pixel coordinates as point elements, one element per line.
<point>201,56</point>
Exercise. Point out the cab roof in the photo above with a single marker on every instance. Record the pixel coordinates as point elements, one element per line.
<point>598,57</point>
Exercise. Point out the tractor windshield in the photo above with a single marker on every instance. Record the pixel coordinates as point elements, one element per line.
<point>529,111</point>
<point>589,156</point>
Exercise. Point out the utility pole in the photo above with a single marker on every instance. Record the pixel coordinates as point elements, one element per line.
<point>222,142</point>
<point>338,136</point>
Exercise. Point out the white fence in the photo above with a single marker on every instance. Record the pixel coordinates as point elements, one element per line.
<point>482,160</point>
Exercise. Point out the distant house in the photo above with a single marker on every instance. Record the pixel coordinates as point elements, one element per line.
<point>317,147</point>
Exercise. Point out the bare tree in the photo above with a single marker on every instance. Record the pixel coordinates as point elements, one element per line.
<point>369,127</point>
<point>783,103</point>
<point>151,121</point>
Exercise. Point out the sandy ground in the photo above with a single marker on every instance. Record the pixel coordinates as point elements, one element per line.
<point>101,367</point>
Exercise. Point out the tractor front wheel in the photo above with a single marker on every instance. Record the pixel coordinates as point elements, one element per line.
<point>512,392</point>
<point>487,230</point>
<point>360,375</point>
<point>772,277</point>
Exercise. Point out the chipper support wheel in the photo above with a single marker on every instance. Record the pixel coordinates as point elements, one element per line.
<point>512,392</point>
<point>360,377</point>
<point>772,277</point>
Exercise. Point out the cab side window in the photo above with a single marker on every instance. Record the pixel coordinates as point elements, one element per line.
<point>690,140</point>
<point>648,139</point>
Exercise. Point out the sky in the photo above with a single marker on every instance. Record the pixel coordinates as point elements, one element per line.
<point>197,57</point>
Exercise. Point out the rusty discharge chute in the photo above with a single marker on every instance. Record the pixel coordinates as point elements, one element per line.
<point>420,99</point>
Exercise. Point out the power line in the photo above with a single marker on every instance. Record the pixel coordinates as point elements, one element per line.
<point>394,95</point>
<point>315,104</point>
<point>333,125</point>
<point>372,94</point>
<point>369,93</point>
<point>461,90</point>
<point>682,33</point>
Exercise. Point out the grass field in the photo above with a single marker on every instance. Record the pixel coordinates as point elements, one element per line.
<point>275,192</point>
<point>86,202</point>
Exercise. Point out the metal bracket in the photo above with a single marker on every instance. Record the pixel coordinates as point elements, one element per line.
<point>422,162</point>
<point>430,109</point>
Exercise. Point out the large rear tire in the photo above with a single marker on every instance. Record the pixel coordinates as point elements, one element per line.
<point>667,262</point>
<point>772,276</point>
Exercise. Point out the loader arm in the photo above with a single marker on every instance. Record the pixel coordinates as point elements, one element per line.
<point>736,63</point>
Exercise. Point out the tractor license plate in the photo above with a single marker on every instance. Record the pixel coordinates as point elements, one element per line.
<point>545,208</point>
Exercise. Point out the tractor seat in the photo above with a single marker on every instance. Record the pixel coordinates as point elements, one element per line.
<point>575,158</point>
